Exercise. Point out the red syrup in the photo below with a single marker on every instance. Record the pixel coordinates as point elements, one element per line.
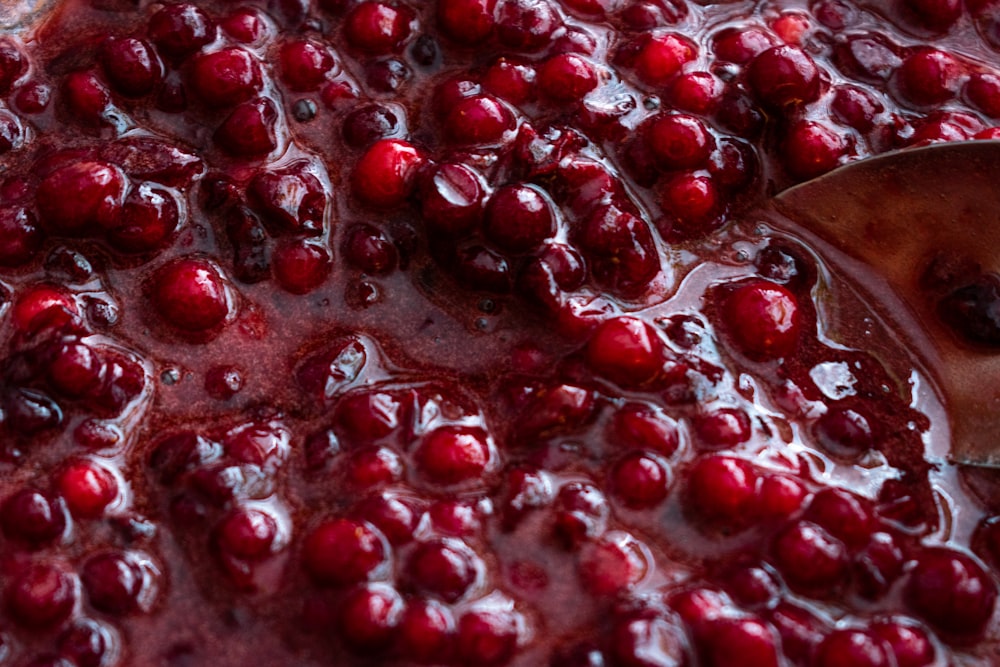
<point>451,333</point>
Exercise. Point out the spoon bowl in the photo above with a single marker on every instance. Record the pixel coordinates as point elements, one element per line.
<point>922,227</point>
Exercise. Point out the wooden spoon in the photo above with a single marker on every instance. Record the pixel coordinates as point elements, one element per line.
<point>925,223</point>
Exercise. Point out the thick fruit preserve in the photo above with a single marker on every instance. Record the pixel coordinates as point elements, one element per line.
<point>377,332</point>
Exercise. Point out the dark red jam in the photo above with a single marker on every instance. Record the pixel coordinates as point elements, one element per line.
<point>340,332</point>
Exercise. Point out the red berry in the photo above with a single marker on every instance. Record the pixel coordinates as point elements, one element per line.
<point>762,318</point>
<point>929,76</point>
<point>386,173</point>
<point>454,455</point>
<point>445,569</point>
<point>612,565</point>
<point>518,218</point>
<point>566,78</point>
<point>226,77</point>
<point>87,488</point>
<point>627,351</point>
<point>478,120</point>
<point>305,64</point>
<point>180,30</point>
<point>660,57</point>
<point>852,648</point>
<point>369,617</point>
<point>250,131</point>
<point>41,596</point>
<point>341,551</point>
<point>952,591</point>
<point>679,141</point>
<point>81,195</point>
<point>783,76</point>
<point>721,489</point>
<point>810,558</point>
<point>190,294</point>
<point>466,21</point>
<point>376,27</point>
<point>811,148</point>
<point>640,480</point>
<point>131,65</point>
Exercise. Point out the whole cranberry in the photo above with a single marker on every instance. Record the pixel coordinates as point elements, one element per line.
<point>680,141</point>
<point>721,489</point>
<point>180,30</point>
<point>784,75</point>
<point>131,65</point>
<point>226,77</point>
<point>640,480</point>
<point>744,641</point>
<point>627,351</point>
<point>648,640</point>
<point>41,596</point>
<point>32,516</point>
<point>305,64</point>
<point>929,76</point>
<point>763,320</point>
<point>566,78</point>
<point>369,616</point>
<point>81,195</point>
<point>518,218</point>
<point>659,57</point>
<point>853,648</point>
<point>908,642</point>
<point>300,266</point>
<point>90,644</point>
<point>88,488</point>
<point>811,148</point>
<point>479,120</point>
<point>43,305</point>
<point>116,583</point>
<point>810,558</point>
<point>525,25</point>
<point>250,131</point>
<point>341,551</point>
<point>487,637</point>
<point>385,175</point>
<point>426,631</point>
<point>454,455</point>
<point>952,591</point>
<point>445,569</point>
<point>247,533</point>
<point>612,565</point>
<point>377,28</point>
<point>190,295</point>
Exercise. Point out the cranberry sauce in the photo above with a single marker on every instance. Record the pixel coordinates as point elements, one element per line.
<point>361,332</point>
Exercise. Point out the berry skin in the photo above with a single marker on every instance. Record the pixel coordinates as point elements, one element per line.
<point>951,591</point>
<point>190,295</point>
<point>81,195</point>
<point>385,175</point>
<point>783,76</point>
<point>627,351</point>
<point>679,141</point>
<point>341,551</point>
<point>454,455</point>
<point>226,77</point>
<point>763,320</point>
<point>518,218</point>
<point>88,489</point>
<point>566,78</point>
